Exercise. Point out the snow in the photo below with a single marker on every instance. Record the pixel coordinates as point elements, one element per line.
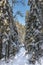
<point>20,59</point>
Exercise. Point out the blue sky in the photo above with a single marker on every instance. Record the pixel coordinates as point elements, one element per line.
<point>20,7</point>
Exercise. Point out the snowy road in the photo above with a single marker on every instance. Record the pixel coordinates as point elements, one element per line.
<point>19,59</point>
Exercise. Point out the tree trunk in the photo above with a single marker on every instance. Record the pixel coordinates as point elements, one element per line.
<point>0,48</point>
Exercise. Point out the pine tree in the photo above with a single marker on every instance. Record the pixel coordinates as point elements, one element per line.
<point>34,30</point>
<point>8,30</point>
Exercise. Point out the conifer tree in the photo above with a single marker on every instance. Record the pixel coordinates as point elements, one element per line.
<point>8,30</point>
<point>34,30</point>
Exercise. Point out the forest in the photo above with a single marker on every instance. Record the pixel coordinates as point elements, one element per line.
<point>21,32</point>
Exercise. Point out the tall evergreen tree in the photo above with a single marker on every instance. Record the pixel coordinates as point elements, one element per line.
<point>8,30</point>
<point>34,30</point>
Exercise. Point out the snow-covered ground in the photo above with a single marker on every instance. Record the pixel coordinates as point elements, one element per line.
<point>20,59</point>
